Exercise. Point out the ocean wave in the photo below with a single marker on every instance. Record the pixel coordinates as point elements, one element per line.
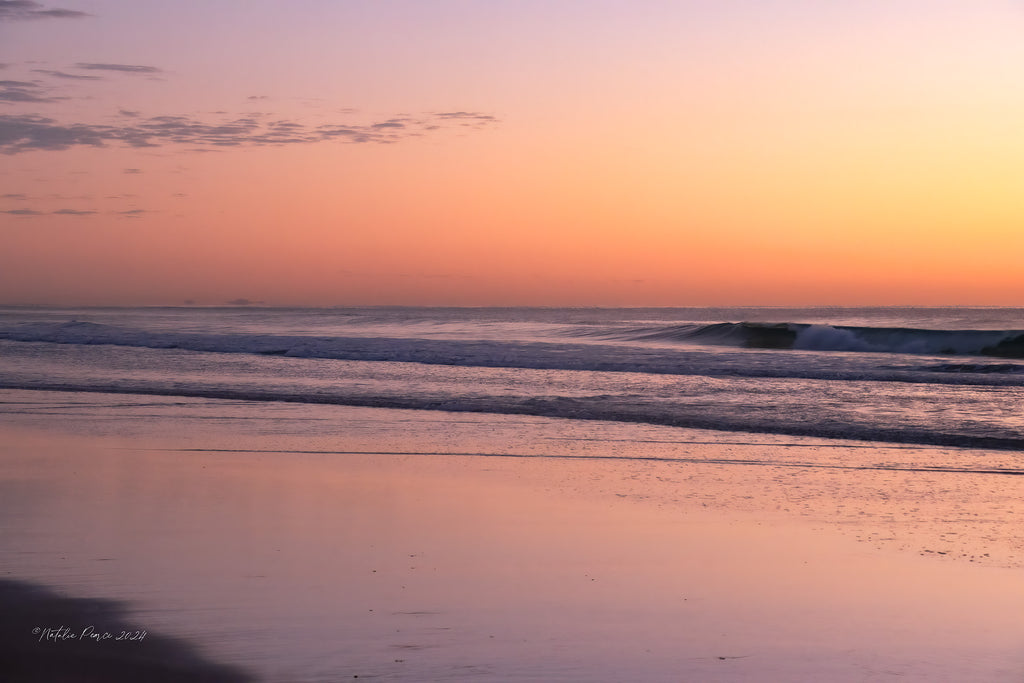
<point>759,359</point>
<point>818,337</point>
<point>977,368</point>
<point>599,408</point>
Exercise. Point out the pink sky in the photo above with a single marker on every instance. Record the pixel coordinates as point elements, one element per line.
<point>511,153</point>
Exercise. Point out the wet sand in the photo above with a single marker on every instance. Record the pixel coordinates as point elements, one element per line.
<point>70,647</point>
<point>318,544</point>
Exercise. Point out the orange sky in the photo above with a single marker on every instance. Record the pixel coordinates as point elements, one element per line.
<point>512,153</point>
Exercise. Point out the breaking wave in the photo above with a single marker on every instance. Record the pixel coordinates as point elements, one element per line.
<point>660,349</point>
<point>808,337</point>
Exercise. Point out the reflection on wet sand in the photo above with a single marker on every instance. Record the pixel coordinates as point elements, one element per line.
<point>320,544</point>
<point>46,637</point>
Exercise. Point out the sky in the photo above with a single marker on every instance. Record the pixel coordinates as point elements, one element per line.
<point>503,153</point>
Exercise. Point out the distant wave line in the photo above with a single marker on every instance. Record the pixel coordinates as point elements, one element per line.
<point>638,458</point>
<point>788,444</point>
<point>554,407</point>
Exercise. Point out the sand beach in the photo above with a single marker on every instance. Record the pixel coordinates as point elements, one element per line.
<point>324,543</point>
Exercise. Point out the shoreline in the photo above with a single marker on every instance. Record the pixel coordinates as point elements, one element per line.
<point>307,565</point>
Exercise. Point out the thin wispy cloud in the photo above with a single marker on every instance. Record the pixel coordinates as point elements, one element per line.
<point>392,123</point>
<point>465,116</point>
<point>32,132</point>
<point>120,68</point>
<point>25,91</point>
<point>24,10</point>
<point>67,76</point>
<point>75,212</point>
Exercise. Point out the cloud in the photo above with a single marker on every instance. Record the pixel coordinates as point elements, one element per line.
<point>122,68</point>
<point>392,123</point>
<point>30,132</point>
<point>465,115</point>
<point>130,213</point>
<point>467,119</point>
<point>25,91</point>
<point>132,171</point>
<point>61,74</point>
<point>15,10</point>
<point>128,112</point>
<point>14,196</point>
<point>24,133</point>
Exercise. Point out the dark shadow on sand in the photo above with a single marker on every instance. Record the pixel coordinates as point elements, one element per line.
<point>45,638</point>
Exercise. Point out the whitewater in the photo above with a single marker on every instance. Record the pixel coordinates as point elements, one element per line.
<point>916,376</point>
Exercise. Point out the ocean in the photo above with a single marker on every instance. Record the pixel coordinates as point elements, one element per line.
<point>518,494</point>
<point>950,377</point>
